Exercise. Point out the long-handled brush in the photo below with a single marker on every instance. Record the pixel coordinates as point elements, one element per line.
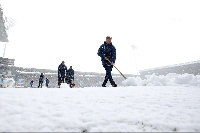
<point>117,69</point>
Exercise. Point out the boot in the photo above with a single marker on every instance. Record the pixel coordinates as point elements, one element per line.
<point>114,85</point>
<point>103,85</point>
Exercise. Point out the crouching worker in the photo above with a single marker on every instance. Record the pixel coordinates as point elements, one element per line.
<point>70,77</point>
<point>31,83</point>
<point>47,82</point>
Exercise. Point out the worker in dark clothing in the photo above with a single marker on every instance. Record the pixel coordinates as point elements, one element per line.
<point>107,51</point>
<point>62,69</point>
<point>70,76</point>
<point>41,79</point>
<point>47,82</point>
<point>31,83</point>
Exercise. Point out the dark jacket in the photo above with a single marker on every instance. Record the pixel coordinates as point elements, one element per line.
<point>70,73</point>
<point>107,50</point>
<point>62,70</point>
<point>31,82</point>
<point>41,78</point>
<point>47,81</point>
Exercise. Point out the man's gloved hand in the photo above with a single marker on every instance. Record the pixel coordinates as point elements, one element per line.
<point>112,63</point>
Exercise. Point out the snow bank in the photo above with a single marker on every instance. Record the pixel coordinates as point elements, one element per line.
<point>171,79</point>
<point>64,85</point>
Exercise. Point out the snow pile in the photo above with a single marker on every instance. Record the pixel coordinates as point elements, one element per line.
<point>168,80</point>
<point>121,109</point>
<point>132,81</point>
<point>64,85</point>
<point>8,82</point>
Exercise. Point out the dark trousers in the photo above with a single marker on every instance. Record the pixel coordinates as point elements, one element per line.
<point>60,80</point>
<point>108,74</point>
<point>40,84</point>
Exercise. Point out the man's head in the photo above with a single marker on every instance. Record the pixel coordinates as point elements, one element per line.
<point>108,39</point>
<point>63,62</point>
<point>70,66</point>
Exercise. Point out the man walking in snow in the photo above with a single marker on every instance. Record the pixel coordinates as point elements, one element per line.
<point>41,79</point>
<point>108,52</point>
<point>62,69</point>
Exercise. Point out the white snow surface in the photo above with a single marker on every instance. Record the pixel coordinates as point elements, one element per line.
<point>170,79</point>
<point>64,85</point>
<point>121,109</point>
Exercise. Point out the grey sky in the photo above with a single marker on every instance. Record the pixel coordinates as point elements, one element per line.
<point>164,32</point>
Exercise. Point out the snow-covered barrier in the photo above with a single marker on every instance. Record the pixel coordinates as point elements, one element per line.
<point>171,79</point>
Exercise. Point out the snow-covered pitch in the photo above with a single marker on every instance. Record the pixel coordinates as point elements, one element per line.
<point>125,109</point>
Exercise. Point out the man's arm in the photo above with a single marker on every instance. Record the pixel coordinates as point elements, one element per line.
<point>100,52</point>
<point>59,71</point>
<point>66,70</point>
<point>113,58</point>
